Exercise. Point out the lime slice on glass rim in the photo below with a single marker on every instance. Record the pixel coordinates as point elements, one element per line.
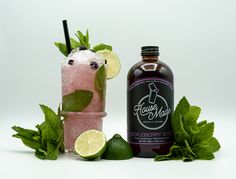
<point>113,63</point>
<point>90,144</point>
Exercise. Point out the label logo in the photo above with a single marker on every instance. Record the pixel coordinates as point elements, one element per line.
<point>152,110</point>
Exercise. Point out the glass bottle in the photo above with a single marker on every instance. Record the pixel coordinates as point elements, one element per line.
<point>150,102</point>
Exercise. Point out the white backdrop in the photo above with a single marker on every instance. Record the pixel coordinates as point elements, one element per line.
<point>196,38</point>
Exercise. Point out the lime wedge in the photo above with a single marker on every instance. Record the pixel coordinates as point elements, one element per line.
<point>113,62</point>
<point>90,144</point>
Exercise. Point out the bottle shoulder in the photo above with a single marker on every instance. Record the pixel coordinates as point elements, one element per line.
<point>155,69</point>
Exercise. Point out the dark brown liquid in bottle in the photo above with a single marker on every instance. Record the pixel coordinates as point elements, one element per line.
<point>159,139</point>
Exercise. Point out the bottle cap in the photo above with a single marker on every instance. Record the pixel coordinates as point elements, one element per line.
<point>150,51</point>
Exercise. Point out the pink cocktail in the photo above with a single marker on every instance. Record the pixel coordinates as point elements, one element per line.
<point>83,90</point>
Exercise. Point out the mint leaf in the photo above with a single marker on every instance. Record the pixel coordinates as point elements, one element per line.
<point>77,101</point>
<point>180,134</point>
<point>183,106</point>
<point>52,119</point>
<point>40,127</point>
<point>201,123</point>
<point>206,131</point>
<point>188,154</point>
<point>87,39</point>
<point>192,115</point>
<point>29,137</point>
<point>40,155</point>
<point>29,142</point>
<point>163,157</point>
<point>205,149</point>
<point>100,81</point>
<point>203,152</point>
<point>52,151</point>
<point>188,148</point>
<point>25,132</point>
<point>213,144</point>
<point>80,36</point>
<point>190,122</point>
<point>176,153</point>
<point>101,46</point>
<point>62,47</point>
<point>74,43</point>
<point>48,135</point>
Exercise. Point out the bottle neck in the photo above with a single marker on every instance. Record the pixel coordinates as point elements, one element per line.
<point>150,58</point>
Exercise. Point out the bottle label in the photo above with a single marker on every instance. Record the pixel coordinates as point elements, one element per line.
<point>150,107</point>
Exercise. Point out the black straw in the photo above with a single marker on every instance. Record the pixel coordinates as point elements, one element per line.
<point>67,36</point>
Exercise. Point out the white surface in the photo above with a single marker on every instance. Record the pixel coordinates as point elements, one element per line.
<point>17,161</point>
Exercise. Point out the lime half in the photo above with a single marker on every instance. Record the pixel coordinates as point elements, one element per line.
<point>113,62</point>
<point>90,144</point>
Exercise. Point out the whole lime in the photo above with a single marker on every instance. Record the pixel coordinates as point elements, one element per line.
<point>117,149</point>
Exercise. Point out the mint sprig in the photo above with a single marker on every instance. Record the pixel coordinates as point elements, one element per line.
<point>47,140</point>
<point>192,140</point>
<point>83,40</point>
